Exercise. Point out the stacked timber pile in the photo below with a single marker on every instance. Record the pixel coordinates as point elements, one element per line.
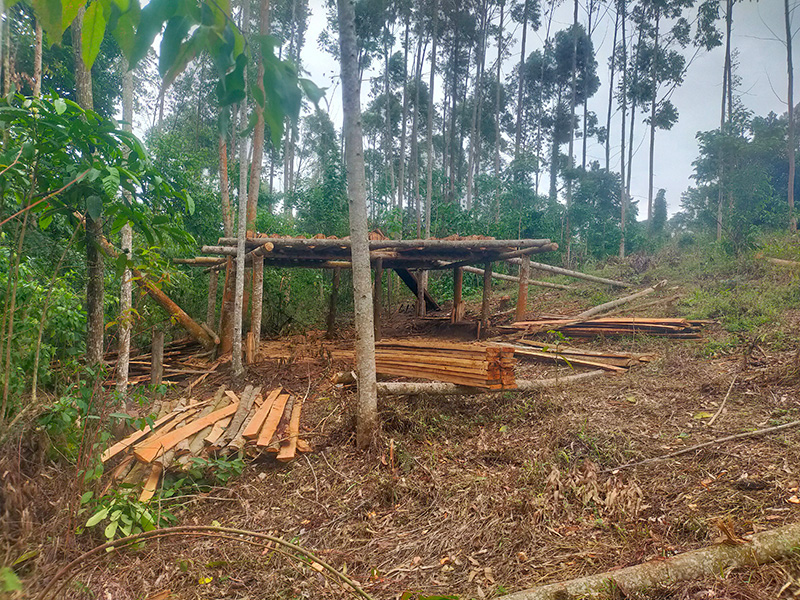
<point>183,359</point>
<point>660,327</point>
<point>474,365</point>
<point>616,361</point>
<point>224,425</point>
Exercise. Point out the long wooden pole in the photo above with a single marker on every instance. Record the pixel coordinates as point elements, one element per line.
<point>515,279</point>
<point>571,273</point>
<point>522,297</point>
<point>487,295</point>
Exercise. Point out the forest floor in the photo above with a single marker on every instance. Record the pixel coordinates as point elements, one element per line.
<point>473,497</point>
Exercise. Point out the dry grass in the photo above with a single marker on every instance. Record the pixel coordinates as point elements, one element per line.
<point>477,496</point>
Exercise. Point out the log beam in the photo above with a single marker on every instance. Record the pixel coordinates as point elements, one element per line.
<point>487,295</point>
<point>458,289</point>
<point>377,291</point>
<point>522,297</point>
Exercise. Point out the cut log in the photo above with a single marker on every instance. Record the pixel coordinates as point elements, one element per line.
<point>257,421</point>
<point>271,424</point>
<point>759,549</point>
<point>245,404</point>
<point>153,448</point>
<point>619,302</point>
<point>571,273</point>
<point>238,440</point>
<point>216,431</point>
<point>396,388</point>
<point>280,433</point>
<point>793,264</point>
<point>515,279</point>
<point>568,360</point>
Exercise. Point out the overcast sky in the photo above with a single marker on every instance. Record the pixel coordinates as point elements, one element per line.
<point>758,35</point>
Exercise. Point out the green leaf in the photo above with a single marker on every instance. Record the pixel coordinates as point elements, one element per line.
<point>189,203</point>
<point>69,10</point>
<point>111,529</point>
<point>49,14</point>
<point>97,517</point>
<point>94,205</point>
<point>124,32</point>
<point>86,497</point>
<point>177,28</point>
<point>311,90</point>
<point>10,581</point>
<point>94,28</point>
<point>119,415</point>
<point>60,106</point>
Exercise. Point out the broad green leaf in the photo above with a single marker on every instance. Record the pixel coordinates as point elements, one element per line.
<point>94,206</point>
<point>45,220</point>
<point>189,203</point>
<point>176,30</point>
<point>60,105</point>
<point>111,529</point>
<point>311,90</point>
<point>69,10</point>
<point>49,14</point>
<point>97,517</point>
<point>86,497</point>
<point>119,415</point>
<point>10,581</point>
<point>124,32</point>
<point>94,28</point>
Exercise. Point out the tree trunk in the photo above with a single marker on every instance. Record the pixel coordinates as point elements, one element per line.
<point>414,164</point>
<point>473,129</point>
<point>401,175</point>
<point>521,83</point>
<point>258,133</point>
<point>126,291</point>
<point>497,102</point>
<point>572,103</point>
<point>653,103</point>
<point>387,131</point>
<point>611,92</point>
<point>727,93</point>
<point>37,61</point>
<point>760,548</point>
<point>241,233</point>
<point>423,280</point>
<point>790,114</point>
<point>367,412</point>
<point>590,10</point>
<point>95,285</point>
<point>623,196</point>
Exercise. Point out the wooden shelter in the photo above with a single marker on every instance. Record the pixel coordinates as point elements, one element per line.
<point>403,256</point>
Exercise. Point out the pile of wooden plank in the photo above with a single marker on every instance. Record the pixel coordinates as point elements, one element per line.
<point>227,424</point>
<point>475,365</point>
<point>616,361</point>
<point>183,359</point>
<point>660,327</point>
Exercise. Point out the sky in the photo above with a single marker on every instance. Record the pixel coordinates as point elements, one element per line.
<point>758,35</point>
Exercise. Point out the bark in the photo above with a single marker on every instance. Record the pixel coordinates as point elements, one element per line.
<point>406,388</point>
<point>126,289</point>
<point>497,138</point>
<point>473,129</point>
<point>95,287</point>
<point>224,186</point>
<point>572,103</point>
<point>502,277</point>
<point>760,548</point>
<point>727,94</point>
<point>334,298</point>
<point>423,279</point>
<point>387,131</point>
<point>258,133</point>
<point>401,174</point>
<point>37,61</point>
<point>590,10</point>
<point>575,274</point>
<point>257,298</point>
<point>600,308</point>
<point>635,78</point>
<point>790,114</point>
<point>521,83</point>
<point>611,92</point>
<point>211,308</point>
<point>157,358</point>
<point>487,295</point>
<point>623,196</point>
<point>367,411</point>
<point>653,103</point>
<point>522,297</point>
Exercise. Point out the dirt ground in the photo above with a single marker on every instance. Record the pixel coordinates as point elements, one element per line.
<point>478,496</point>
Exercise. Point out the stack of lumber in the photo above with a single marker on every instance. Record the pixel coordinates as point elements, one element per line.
<point>475,365</point>
<point>183,359</point>
<point>226,424</point>
<point>616,361</point>
<point>661,327</point>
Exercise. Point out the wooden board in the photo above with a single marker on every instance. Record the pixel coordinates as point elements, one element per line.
<point>151,485</point>
<point>254,426</point>
<point>158,445</point>
<point>289,447</point>
<point>271,424</point>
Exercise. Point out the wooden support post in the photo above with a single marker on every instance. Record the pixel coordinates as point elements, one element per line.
<point>258,300</point>
<point>422,284</point>
<point>157,358</point>
<point>376,297</point>
<point>522,298</point>
<point>458,304</point>
<point>487,295</point>
<point>211,310</point>
<point>337,273</point>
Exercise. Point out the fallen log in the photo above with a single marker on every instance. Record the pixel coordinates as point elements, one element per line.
<point>783,263</point>
<point>600,308</point>
<point>289,447</point>
<point>402,388</point>
<point>760,548</point>
<point>570,273</point>
<point>568,360</point>
<point>515,279</point>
